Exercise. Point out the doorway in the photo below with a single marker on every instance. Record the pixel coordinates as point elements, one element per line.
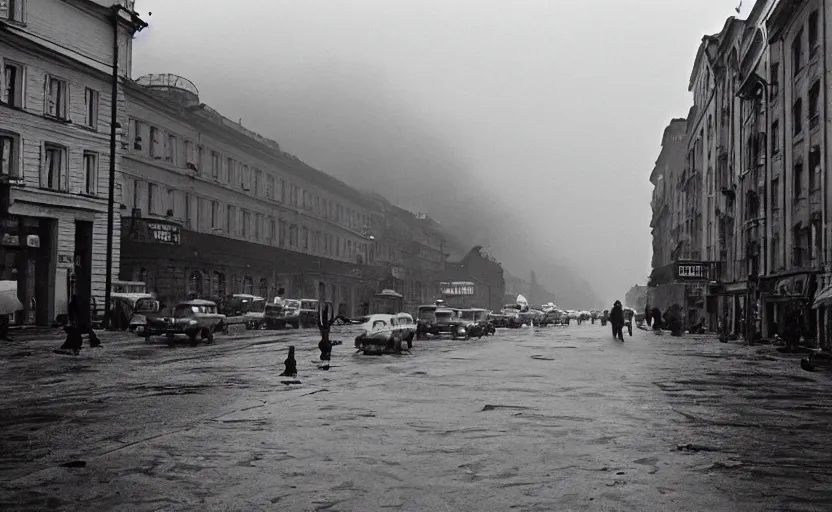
<point>83,271</point>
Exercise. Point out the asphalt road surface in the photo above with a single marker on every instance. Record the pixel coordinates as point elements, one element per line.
<point>559,418</point>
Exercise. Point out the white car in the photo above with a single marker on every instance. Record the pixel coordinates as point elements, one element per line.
<point>386,333</point>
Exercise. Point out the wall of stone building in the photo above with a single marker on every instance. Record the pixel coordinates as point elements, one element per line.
<point>666,295</point>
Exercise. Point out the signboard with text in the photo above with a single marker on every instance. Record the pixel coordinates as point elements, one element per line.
<point>152,232</point>
<point>457,288</point>
<point>694,270</point>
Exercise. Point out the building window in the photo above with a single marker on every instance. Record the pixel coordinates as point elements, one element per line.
<point>797,49</point>
<point>246,178</point>
<point>282,195</point>
<point>12,92</point>
<point>293,235</point>
<point>258,181</point>
<point>775,194</point>
<point>53,173</point>
<point>231,171</point>
<point>195,284</point>
<point>9,150</point>
<point>13,10</point>
<point>137,129</point>
<point>200,160</point>
<point>775,137</point>
<point>264,287</point>
<point>215,214</point>
<point>91,107</point>
<point>218,284</point>
<point>813,34</point>
<point>257,221</point>
<point>215,166</point>
<point>156,148</point>
<point>797,117</point>
<point>170,150</point>
<point>57,97</point>
<point>190,156</point>
<point>798,180</point>
<point>231,221</point>
<point>304,238</point>
<point>90,173</point>
<point>814,100</point>
<point>814,168</point>
<point>281,234</point>
<point>272,230</point>
<point>152,198</point>
<point>338,246</point>
<point>248,285</point>
<point>270,186</point>
<point>245,232</point>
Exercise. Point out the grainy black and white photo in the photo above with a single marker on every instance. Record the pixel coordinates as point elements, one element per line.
<point>389,255</point>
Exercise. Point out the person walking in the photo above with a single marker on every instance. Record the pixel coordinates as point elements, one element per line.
<point>617,320</point>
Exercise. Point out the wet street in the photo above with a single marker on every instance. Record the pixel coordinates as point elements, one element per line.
<point>560,418</point>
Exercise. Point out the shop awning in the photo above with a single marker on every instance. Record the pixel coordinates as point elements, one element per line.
<point>823,298</point>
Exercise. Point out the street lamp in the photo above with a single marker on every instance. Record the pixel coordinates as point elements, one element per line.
<point>138,25</point>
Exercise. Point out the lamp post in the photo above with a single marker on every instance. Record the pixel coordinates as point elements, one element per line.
<point>138,25</point>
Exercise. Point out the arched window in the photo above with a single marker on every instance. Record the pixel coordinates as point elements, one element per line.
<point>219,284</point>
<point>195,283</point>
<point>248,285</point>
<point>264,287</point>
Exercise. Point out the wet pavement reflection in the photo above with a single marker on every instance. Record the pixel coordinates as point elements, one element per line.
<point>558,418</point>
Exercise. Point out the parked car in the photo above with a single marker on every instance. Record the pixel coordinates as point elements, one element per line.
<point>512,313</point>
<point>193,318</point>
<point>308,313</point>
<point>476,322</point>
<point>145,309</point>
<point>384,333</point>
<point>498,319</point>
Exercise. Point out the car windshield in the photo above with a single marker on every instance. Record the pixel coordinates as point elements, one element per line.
<point>444,315</point>
<point>147,306</point>
<point>309,304</point>
<point>184,310</point>
<point>468,315</point>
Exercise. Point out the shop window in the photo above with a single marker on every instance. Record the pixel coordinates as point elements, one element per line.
<point>9,151</point>
<point>248,285</point>
<point>54,170</point>
<point>264,287</point>
<point>12,93</point>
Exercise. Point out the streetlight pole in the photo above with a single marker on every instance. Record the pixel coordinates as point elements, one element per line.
<point>108,278</point>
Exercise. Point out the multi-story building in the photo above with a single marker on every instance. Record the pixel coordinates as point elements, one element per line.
<point>56,61</point>
<point>483,275</point>
<point>210,208</point>
<point>798,34</point>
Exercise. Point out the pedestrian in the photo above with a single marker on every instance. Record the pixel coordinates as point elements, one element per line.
<point>657,319</point>
<point>648,316</point>
<point>617,320</point>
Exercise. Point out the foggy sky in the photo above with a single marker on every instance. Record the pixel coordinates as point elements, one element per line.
<point>532,125</point>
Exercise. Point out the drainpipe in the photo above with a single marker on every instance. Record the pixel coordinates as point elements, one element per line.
<point>112,178</point>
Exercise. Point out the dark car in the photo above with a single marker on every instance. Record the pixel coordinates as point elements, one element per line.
<point>476,322</point>
<point>194,318</point>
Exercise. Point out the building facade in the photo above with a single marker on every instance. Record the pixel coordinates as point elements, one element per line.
<point>770,212</point>
<point>483,274</point>
<point>56,60</point>
<point>210,208</point>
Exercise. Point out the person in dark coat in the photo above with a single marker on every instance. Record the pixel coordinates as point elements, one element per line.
<point>657,319</point>
<point>291,364</point>
<point>648,316</point>
<point>617,320</point>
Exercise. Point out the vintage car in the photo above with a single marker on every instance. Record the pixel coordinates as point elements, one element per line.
<point>553,317</point>
<point>426,321</point>
<point>196,319</point>
<point>244,308</point>
<point>535,317</point>
<point>513,315</point>
<point>476,322</point>
<point>384,333</point>
<point>285,313</point>
<point>145,309</point>
<point>498,319</point>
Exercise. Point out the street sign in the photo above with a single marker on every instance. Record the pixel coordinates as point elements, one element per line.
<point>457,288</point>
<point>694,271</point>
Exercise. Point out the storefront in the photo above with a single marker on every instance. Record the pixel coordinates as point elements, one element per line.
<point>776,292</point>
<point>25,260</point>
<point>177,263</point>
